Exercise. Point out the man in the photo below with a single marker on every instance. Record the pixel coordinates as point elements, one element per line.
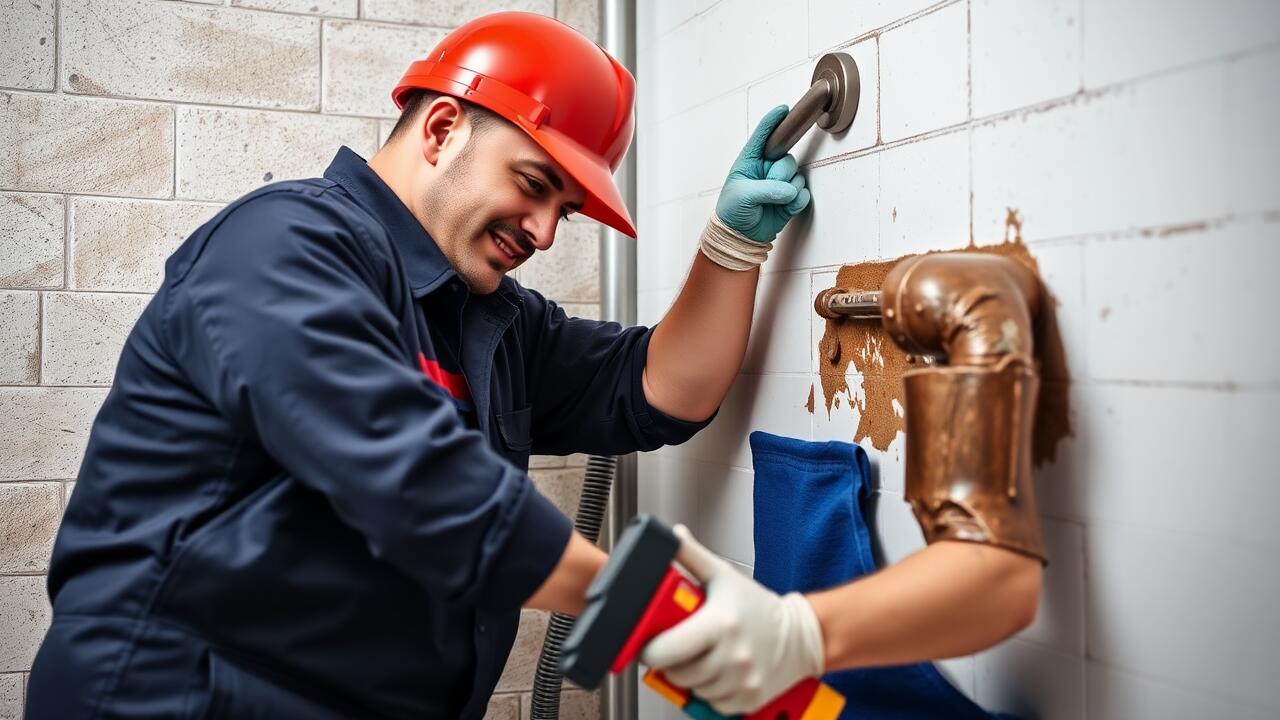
<point>306,494</point>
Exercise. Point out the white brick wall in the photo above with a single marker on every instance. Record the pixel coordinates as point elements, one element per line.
<point>1136,141</point>
<point>124,125</point>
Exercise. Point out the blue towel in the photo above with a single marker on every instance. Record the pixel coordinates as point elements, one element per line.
<point>810,534</point>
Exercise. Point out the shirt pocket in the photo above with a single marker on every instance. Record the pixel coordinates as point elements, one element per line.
<point>514,429</point>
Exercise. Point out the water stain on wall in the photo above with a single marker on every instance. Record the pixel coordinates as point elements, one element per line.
<point>862,347</point>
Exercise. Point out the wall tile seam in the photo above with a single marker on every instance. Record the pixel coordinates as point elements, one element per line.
<point>659,120</point>
<point>1226,58</point>
<point>714,465</point>
<point>388,24</point>
<point>1227,387</point>
<point>687,196</point>
<point>57,48</point>
<point>41,331</point>
<point>888,27</point>
<point>968,42</point>
<point>1184,535</point>
<point>1174,230</point>
<point>88,291</point>
<point>968,58</point>
<point>697,14</point>
<point>56,386</point>
<point>1154,233</point>
<point>173,189</point>
<point>1040,645</point>
<point>153,198</point>
<point>122,198</point>
<point>879,92</point>
<point>1044,106</point>
<point>1178,684</point>
<point>791,374</point>
<point>292,13</point>
<point>1080,87</point>
<point>174,104</point>
<point>320,77</point>
<point>32,91</point>
<point>151,102</point>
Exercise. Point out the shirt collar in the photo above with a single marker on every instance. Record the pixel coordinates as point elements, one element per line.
<point>427,267</point>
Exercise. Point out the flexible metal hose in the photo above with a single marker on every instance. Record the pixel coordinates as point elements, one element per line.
<point>596,485</point>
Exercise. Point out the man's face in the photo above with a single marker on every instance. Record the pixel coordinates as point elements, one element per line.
<point>497,199</point>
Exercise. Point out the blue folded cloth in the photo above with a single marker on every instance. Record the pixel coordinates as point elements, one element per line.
<point>811,534</point>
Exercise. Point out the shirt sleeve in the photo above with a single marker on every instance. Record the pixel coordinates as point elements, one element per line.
<point>585,386</point>
<point>282,320</point>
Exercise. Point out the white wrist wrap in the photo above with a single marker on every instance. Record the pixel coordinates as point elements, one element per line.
<point>727,248</point>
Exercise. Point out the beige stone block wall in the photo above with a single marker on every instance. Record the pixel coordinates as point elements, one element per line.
<point>31,255</point>
<point>126,124</point>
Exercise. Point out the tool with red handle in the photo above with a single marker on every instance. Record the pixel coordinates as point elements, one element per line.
<point>639,594</point>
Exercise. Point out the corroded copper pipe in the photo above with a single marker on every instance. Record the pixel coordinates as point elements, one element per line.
<point>969,422</point>
<point>971,308</point>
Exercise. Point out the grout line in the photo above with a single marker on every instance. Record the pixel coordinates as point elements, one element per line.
<point>165,102</point>
<point>1089,93</point>
<point>879,104</point>
<point>85,291</point>
<point>1080,12</point>
<point>57,45</point>
<point>324,27</point>
<point>100,196</point>
<point>39,338</point>
<point>1084,613</point>
<point>9,386</point>
<point>969,114</point>
<point>66,242</point>
<point>894,25</point>
<point>1152,233</point>
<point>1176,684</point>
<point>173,193</point>
<point>968,42</point>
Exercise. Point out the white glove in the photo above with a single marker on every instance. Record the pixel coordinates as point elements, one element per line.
<point>744,646</point>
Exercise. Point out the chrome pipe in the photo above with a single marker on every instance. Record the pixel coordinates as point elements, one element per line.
<point>836,303</point>
<point>618,303</point>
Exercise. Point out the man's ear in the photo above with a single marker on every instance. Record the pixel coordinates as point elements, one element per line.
<point>442,123</point>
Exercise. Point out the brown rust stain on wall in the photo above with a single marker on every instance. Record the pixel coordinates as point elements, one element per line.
<point>864,348</point>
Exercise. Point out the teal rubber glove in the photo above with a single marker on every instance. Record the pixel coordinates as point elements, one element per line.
<point>760,196</point>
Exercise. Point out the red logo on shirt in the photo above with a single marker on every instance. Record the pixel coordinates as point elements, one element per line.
<point>453,383</point>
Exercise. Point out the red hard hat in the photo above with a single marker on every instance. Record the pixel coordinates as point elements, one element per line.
<point>563,90</point>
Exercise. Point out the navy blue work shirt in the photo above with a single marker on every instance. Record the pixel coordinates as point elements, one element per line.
<point>283,512</point>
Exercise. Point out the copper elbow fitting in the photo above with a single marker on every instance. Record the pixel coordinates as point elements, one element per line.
<point>969,419</point>
<point>969,308</point>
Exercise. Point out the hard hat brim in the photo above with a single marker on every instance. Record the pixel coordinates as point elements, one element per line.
<point>603,202</point>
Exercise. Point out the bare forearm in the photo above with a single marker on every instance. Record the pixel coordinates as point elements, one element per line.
<point>565,589</point>
<point>698,347</point>
<point>950,599</point>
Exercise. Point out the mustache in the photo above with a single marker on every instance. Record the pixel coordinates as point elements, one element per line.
<point>522,237</point>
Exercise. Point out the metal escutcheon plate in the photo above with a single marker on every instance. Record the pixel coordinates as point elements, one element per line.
<point>841,73</point>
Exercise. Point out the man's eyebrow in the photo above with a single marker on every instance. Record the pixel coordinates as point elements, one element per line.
<point>545,168</point>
